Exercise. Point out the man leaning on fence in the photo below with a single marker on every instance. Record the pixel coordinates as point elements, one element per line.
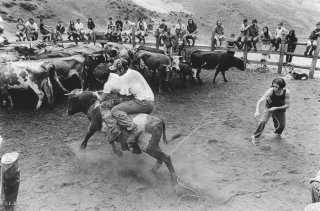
<point>312,41</point>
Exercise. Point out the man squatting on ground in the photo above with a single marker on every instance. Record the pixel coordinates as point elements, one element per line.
<point>129,83</point>
<point>277,101</point>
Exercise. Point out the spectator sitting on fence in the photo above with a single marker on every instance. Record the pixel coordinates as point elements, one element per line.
<point>280,33</point>
<point>162,30</point>
<point>141,30</point>
<point>315,188</point>
<point>79,27</point>
<point>312,41</point>
<point>111,27</point>
<point>291,40</point>
<point>266,38</point>
<point>72,32</point>
<point>31,30</point>
<point>90,31</point>
<point>60,29</point>
<point>242,35</point>
<point>167,42</point>
<point>127,30</point>
<point>192,31</point>
<point>253,35</point>
<point>119,28</point>
<point>21,30</point>
<point>44,30</point>
<point>178,42</point>
<point>218,34</point>
<point>181,26</point>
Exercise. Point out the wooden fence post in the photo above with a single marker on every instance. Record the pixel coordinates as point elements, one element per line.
<point>213,41</point>
<point>133,36</point>
<point>314,60</point>
<point>282,49</point>
<point>157,36</point>
<point>245,49</point>
<point>10,180</point>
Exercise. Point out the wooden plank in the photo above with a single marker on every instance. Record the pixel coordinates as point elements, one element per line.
<point>314,60</point>
<point>133,40</point>
<point>281,57</point>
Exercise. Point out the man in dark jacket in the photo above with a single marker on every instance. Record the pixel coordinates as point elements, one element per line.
<point>312,41</point>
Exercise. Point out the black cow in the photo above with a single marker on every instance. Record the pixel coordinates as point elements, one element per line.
<point>150,49</point>
<point>219,60</point>
<point>153,128</point>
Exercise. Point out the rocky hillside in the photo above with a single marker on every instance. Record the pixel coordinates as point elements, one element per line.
<point>295,14</point>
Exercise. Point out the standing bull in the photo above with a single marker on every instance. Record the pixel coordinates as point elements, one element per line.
<point>23,75</point>
<point>221,61</point>
<point>153,127</point>
<point>157,63</point>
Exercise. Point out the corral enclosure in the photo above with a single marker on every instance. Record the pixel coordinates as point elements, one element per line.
<point>217,160</point>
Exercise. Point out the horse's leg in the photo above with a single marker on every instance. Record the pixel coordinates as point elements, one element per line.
<point>198,75</point>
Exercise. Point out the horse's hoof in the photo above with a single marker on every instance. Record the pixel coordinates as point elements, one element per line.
<point>225,80</point>
<point>118,153</point>
<point>82,147</point>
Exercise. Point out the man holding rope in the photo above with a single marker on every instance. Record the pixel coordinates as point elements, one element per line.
<point>277,101</point>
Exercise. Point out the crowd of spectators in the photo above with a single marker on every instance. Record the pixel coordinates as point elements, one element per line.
<point>174,38</point>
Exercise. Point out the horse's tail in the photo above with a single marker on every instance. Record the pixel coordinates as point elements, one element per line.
<point>164,136</point>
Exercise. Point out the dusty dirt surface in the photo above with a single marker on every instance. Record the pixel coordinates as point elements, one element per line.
<point>217,160</point>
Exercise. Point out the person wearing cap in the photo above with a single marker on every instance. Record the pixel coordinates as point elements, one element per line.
<point>280,34</point>
<point>127,29</point>
<point>60,29</point>
<point>277,100</point>
<point>141,30</point>
<point>218,34</point>
<point>312,41</point>
<point>315,188</point>
<point>31,30</point>
<point>254,34</point>
<point>129,83</point>
<point>240,39</point>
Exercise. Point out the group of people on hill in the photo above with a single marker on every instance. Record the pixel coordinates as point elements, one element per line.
<point>266,37</point>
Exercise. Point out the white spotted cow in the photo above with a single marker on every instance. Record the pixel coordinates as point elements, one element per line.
<point>183,68</point>
<point>23,75</point>
<point>66,67</point>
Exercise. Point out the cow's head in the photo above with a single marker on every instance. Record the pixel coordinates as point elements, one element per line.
<point>239,63</point>
<point>80,101</point>
<point>176,60</point>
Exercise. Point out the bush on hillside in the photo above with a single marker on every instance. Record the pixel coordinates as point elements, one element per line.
<point>28,6</point>
<point>7,4</point>
<point>9,19</point>
<point>3,12</point>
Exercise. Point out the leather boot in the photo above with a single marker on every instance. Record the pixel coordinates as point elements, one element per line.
<point>133,135</point>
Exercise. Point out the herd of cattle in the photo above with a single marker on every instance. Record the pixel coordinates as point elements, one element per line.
<point>55,66</point>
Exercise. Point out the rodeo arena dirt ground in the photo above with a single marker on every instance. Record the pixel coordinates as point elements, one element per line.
<point>218,167</point>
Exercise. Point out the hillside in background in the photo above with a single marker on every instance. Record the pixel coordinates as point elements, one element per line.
<point>295,14</point>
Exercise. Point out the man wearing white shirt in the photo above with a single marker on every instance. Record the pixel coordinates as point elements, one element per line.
<point>31,30</point>
<point>79,27</point>
<point>182,28</point>
<point>129,83</point>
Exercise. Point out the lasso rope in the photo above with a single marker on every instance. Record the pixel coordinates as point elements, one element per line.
<point>197,195</point>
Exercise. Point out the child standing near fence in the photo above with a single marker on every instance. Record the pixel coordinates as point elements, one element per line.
<point>266,38</point>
